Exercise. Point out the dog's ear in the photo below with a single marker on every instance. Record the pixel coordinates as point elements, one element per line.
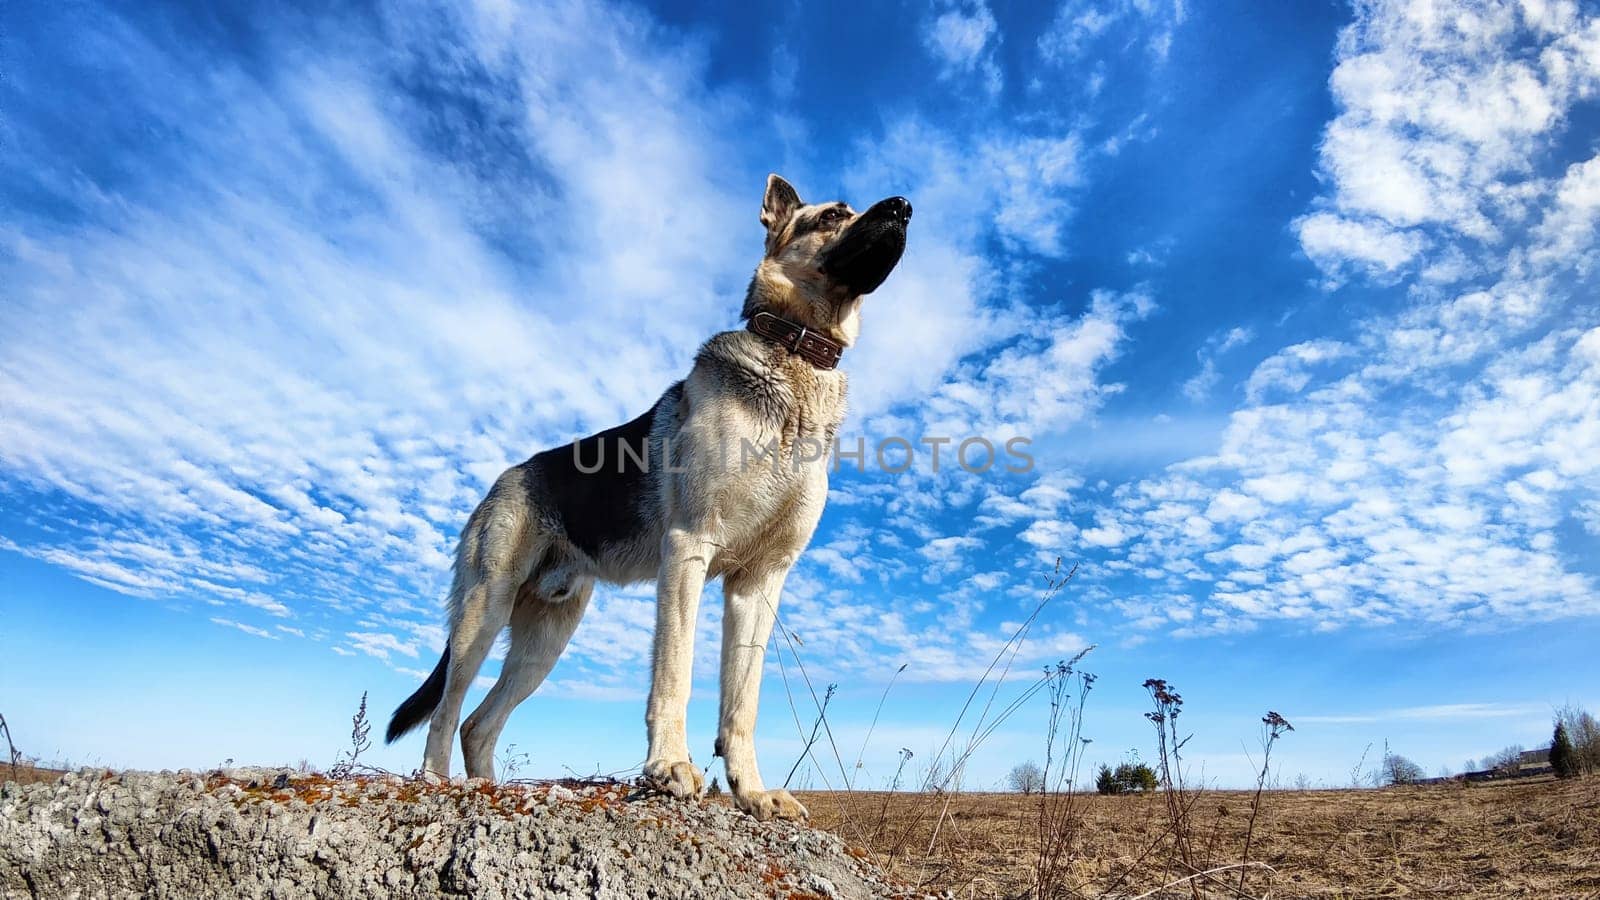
<point>779,204</point>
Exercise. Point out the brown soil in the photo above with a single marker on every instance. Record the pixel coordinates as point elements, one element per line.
<point>1533,838</point>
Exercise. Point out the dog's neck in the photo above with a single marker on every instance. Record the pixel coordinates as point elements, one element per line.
<point>809,345</point>
<point>773,291</point>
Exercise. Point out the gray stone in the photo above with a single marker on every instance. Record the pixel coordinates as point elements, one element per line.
<point>274,833</point>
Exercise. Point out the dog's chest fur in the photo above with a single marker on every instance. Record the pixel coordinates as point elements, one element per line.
<point>760,399</point>
<point>788,398</point>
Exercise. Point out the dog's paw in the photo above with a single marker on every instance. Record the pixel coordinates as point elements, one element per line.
<point>681,779</point>
<point>777,804</point>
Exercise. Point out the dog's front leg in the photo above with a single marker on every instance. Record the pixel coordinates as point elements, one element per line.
<point>685,559</point>
<point>750,607</point>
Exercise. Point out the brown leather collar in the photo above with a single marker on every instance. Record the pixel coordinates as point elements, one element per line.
<point>797,339</point>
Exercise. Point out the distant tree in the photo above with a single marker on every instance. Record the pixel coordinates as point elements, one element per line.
<point>1399,770</point>
<point>1105,781</point>
<point>1562,757</point>
<point>1584,733</point>
<point>1026,778</point>
<point>1137,776</point>
<point>1147,778</point>
<point>1507,761</point>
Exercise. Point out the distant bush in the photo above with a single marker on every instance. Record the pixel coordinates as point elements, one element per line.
<point>1125,779</point>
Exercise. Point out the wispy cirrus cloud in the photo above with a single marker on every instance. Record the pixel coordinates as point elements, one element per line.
<point>247,629</point>
<point>1443,712</point>
<point>295,361</point>
<point>312,329</point>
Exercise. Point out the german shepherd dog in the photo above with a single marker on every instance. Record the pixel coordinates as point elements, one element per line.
<point>674,495</point>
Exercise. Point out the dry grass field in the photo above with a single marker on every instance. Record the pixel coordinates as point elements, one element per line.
<point>1533,838</point>
<point>25,774</point>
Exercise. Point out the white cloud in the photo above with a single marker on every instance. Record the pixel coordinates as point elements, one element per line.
<point>1566,233</point>
<point>1443,109</point>
<point>1199,386</point>
<point>1237,336</point>
<point>381,644</point>
<point>946,555</point>
<point>1106,534</point>
<point>247,629</point>
<point>1333,241</point>
<point>945,300</point>
<point>1045,382</point>
<point>1290,369</point>
<point>962,37</point>
<point>1080,25</point>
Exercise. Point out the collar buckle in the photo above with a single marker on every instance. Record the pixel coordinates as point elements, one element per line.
<point>822,352</point>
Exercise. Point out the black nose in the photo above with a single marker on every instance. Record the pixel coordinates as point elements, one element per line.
<point>899,208</point>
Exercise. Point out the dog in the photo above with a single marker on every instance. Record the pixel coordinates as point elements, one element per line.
<point>725,476</point>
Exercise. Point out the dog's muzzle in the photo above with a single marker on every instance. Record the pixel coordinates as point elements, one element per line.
<point>871,247</point>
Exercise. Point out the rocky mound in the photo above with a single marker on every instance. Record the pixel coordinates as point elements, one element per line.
<point>272,833</point>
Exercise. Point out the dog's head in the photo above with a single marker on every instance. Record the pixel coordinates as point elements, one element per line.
<point>821,258</point>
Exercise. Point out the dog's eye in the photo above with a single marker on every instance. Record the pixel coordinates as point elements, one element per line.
<point>833,216</point>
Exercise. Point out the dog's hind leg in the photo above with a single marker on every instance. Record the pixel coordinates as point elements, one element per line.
<point>540,629</point>
<point>485,608</point>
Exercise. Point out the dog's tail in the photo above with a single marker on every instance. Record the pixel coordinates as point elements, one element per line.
<point>419,706</point>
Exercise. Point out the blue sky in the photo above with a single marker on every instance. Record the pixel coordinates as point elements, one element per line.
<point>1293,300</point>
